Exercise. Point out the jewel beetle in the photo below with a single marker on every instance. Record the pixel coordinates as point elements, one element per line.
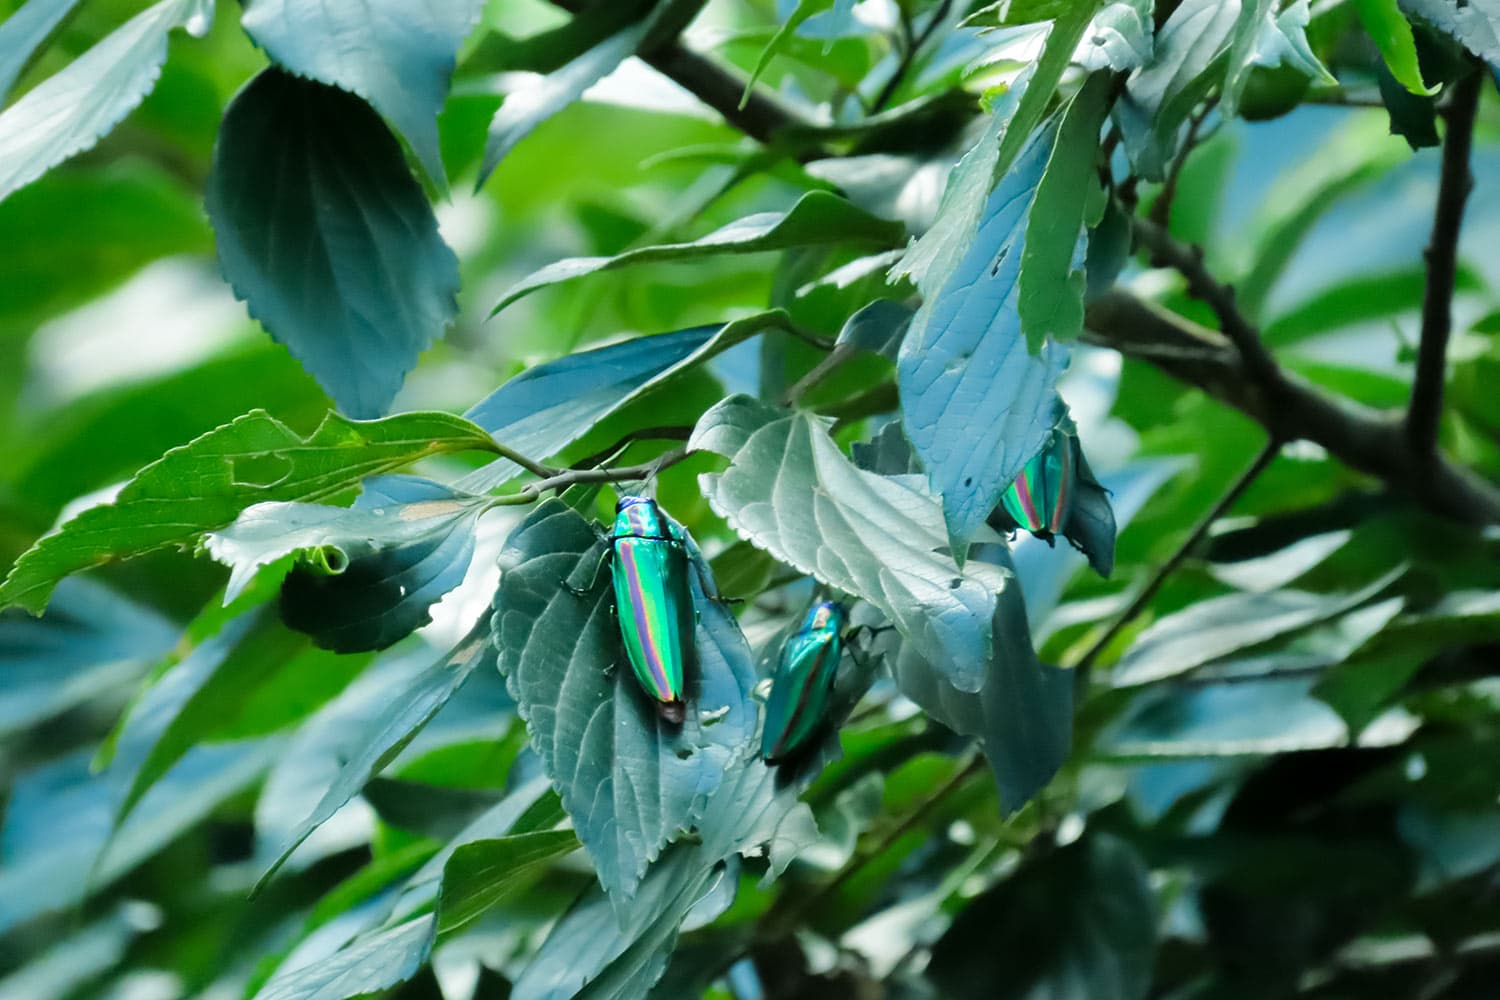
<point>649,559</point>
<point>803,682</point>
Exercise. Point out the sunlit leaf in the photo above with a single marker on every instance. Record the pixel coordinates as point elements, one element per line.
<point>976,403</point>
<point>69,112</point>
<point>789,490</point>
<point>1392,35</point>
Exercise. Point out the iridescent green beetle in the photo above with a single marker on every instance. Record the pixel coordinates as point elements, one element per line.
<point>803,682</point>
<point>1041,497</point>
<point>649,567</point>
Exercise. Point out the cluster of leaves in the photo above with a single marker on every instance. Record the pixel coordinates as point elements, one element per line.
<point>294,740</point>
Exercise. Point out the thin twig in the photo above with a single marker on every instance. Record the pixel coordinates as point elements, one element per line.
<point>1425,411</point>
<point>778,922</point>
<point>1161,209</point>
<point>675,432</point>
<point>561,480</point>
<point>1187,260</point>
<point>913,45</point>
<point>1146,593</point>
<point>819,372</point>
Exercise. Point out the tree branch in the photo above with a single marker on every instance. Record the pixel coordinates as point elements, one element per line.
<point>1290,408</point>
<point>1188,261</point>
<point>1455,182</point>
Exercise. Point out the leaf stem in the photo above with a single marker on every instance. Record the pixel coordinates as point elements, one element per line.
<point>1455,182</point>
<point>1153,585</point>
<point>559,480</point>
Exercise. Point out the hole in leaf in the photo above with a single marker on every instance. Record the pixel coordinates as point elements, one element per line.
<point>264,471</point>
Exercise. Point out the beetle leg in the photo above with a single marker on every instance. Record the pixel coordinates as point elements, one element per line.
<point>593,581</point>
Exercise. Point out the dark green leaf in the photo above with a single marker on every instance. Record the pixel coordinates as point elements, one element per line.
<point>396,56</point>
<point>328,238</point>
<point>1051,280</point>
<point>1023,715</point>
<point>389,733</point>
<point>878,327</point>
<point>485,872</point>
<point>22,34</point>
<point>1076,924</point>
<point>1413,116</point>
<point>976,403</point>
<point>67,113</point>
<point>817,219</point>
<point>1392,34</point>
<point>207,482</point>
<point>789,490</point>
<point>546,408</point>
<point>367,575</point>
<point>631,781</point>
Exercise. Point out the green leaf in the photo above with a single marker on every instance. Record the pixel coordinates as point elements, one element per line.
<point>599,950</point>
<point>367,575</point>
<point>69,112</point>
<point>24,32</point>
<point>66,966</point>
<point>1023,714</point>
<point>485,872</point>
<point>255,677</point>
<point>77,233</point>
<point>1077,922</point>
<point>373,961</point>
<point>1413,116</point>
<point>55,823</point>
<point>1242,718</point>
<point>549,406</point>
<point>206,483</point>
<point>975,402</point>
<point>784,32</point>
<point>1388,27</point>
<point>91,642</point>
<point>1051,280</point>
<point>1475,23</point>
<point>526,108</point>
<point>327,237</point>
<point>398,57</point>
<point>817,219</point>
<point>388,733</point>
<point>1159,97</point>
<point>631,781</point>
<point>1217,627</point>
<point>790,491</point>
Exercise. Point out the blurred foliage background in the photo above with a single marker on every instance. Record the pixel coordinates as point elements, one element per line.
<point>1283,778</point>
